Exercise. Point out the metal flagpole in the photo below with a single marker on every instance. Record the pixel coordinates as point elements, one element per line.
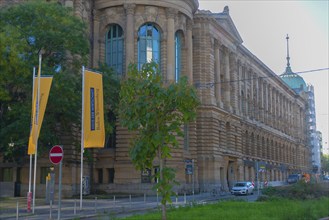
<point>82,134</point>
<point>30,172</point>
<point>37,130</point>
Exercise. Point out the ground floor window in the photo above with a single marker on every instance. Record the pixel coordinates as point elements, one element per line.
<point>100,175</point>
<point>43,174</point>
<point>146,176</point>
<point>156,170</point>
<point>111,172</point>
<point>6,174</point>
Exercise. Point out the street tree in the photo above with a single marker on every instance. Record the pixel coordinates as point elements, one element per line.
<point>156,111</point>
<point>27,29</point>
<point>325,163</point>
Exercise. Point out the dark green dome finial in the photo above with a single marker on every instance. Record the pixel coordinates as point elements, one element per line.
<point>294,81</point>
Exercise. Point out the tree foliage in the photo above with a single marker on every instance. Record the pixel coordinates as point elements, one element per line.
<point>27,29</point>
<point>157,112</point>
<point>325,163</point>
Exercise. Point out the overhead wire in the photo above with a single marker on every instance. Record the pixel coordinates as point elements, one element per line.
<point>211,84</point>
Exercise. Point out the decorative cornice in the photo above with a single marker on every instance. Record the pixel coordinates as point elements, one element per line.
<point>171,13</point>
<point>96,14</point>
<point>130,8</point>
<point>217,43</point>
<point>189,24</point>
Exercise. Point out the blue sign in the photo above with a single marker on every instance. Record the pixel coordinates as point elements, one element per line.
<point>92,109</point>
<point>189,169</point>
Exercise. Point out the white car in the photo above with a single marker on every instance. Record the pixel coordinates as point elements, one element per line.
<point>242,188</point>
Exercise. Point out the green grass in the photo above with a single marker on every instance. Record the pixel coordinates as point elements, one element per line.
<point>276,209</point>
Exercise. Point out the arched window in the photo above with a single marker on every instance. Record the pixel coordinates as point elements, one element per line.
<point>148,44</point>
<point>114,48</point>
<point>178,54</point>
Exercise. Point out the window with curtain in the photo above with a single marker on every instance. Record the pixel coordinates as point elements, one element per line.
<point>148,44</point>
<point>114,48</point>
<point>178,54</point>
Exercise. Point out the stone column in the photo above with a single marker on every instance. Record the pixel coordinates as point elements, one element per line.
<point>189,45</point>
<point>96,39</point>
<point>217,76</point>
<point>233,84</point>
<point>260,100</point>
<point>251,98</point>
<point>270,106</point>
<point>130,30</point>
<point>171,44</point>
<point>265,102</point>
<point>227,83</point>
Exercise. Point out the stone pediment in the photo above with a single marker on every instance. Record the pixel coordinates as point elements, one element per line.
<point>225,21</point>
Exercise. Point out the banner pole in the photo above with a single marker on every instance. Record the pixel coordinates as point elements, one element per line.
<point>37,126</point>
<point>31,164</point>
<point>82,134</point>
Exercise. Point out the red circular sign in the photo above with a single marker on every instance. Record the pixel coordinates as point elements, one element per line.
<point>56,154</point>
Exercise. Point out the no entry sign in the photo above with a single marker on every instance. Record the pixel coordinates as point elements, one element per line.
<point>56,154</point>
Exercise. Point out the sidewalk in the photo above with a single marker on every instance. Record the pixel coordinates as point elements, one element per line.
<point>95,208</point>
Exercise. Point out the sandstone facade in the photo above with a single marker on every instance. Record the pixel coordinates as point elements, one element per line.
<point>249,120</point>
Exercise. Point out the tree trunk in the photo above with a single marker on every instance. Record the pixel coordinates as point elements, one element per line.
<point>164,214</point>
<point>163,206</point>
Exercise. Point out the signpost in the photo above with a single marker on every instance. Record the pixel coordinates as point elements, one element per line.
<point>56,156</point>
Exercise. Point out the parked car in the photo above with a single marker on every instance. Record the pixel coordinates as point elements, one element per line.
<point>242,188</point>
<point>325,177</point>
<point>293,178</point>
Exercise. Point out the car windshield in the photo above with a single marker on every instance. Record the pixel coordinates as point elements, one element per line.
<point>240,184</point>
<point>293,176</point>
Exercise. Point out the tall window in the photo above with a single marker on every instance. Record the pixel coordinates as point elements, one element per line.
<point>178,53</point>
<point>148,44</point>
<point>111,173</point>
<point>43,174</point>
<point>114,48</point>
<point>100,175</point>
<point>111,140</point>
<point>186,137</point>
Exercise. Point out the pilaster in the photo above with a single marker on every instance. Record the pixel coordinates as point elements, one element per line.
<point>130,29</point>
<point>96,50</point>
<point>217,76</point>
<point>171,12</point>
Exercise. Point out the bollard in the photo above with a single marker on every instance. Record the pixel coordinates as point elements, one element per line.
<point>17,210</point>
<point>95,204</point>
<point>157,198</point>
<point>75,207</point>
<point>114,201</point>
<point>130,199</point>
<point>184,198</point>
<point>144,197</point>
<point>51,207</point>
<point>176,198</point>
<point>29,200</point>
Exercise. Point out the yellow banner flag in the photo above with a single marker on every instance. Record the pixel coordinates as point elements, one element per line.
<point>93,110</point>
<point>38,110</point>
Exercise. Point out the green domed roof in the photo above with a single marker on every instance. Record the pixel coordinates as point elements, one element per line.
<point>294,81</point>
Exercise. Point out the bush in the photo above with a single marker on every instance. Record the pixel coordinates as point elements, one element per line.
<point>300,190</point>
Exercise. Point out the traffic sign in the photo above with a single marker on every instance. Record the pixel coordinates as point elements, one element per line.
<point>56,154</point>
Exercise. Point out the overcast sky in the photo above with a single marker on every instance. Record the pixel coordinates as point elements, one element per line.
<point>263,26</point>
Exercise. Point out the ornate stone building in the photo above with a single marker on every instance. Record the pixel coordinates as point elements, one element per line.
<point>249,123</point>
